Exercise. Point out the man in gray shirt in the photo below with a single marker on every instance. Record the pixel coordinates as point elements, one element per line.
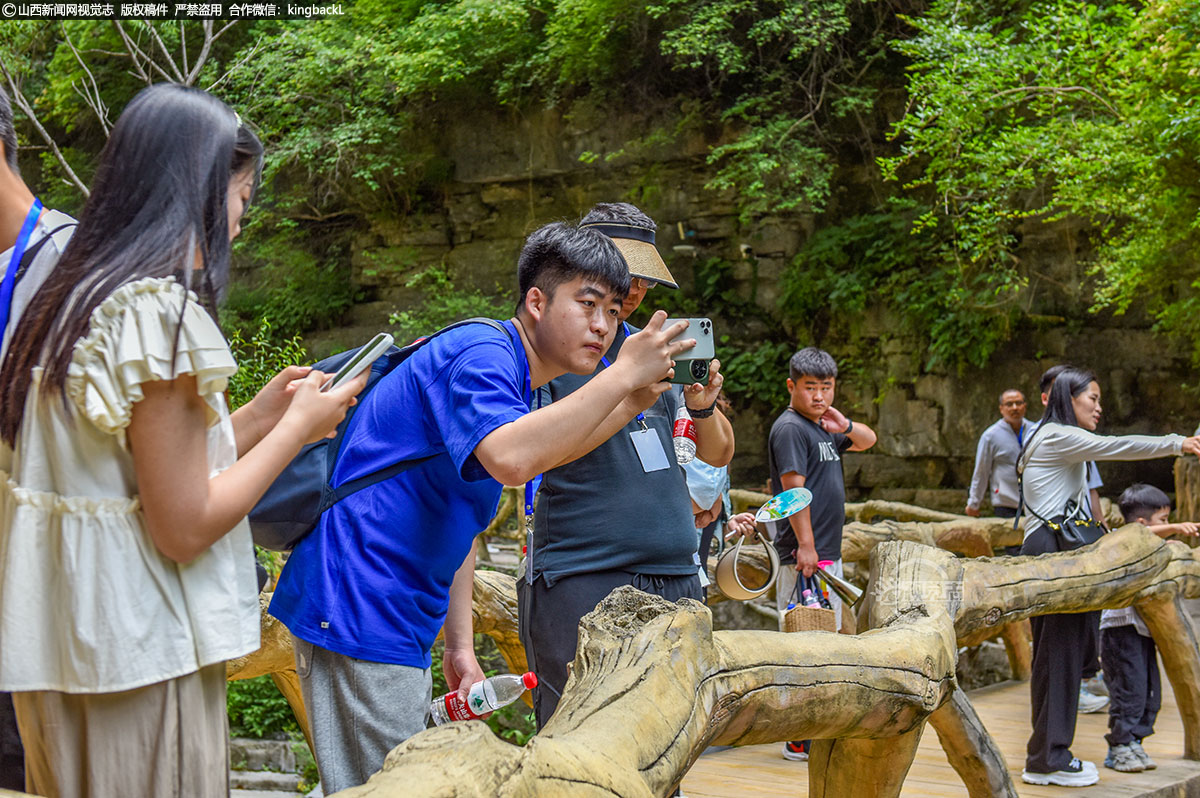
<point>996,458</point>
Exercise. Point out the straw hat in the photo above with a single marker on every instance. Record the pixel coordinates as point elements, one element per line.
<point>637,247</point>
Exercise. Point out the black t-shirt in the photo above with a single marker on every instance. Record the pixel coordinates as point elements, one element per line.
<point>604,512</point>
<point>799,445</point>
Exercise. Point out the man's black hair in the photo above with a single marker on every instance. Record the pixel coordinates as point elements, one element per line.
<point>8,133</point>
<point>618,213</point>
<point>1141,501</point>
<point>812,362</point>
<point>1051,375</point>
<point>559,252</point>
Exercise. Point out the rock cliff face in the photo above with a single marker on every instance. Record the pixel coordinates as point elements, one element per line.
<point>508,175</point>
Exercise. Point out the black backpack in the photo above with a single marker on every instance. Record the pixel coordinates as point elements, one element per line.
<point>292,506</point>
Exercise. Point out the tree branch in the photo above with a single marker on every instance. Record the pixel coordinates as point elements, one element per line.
<point>19,98</point>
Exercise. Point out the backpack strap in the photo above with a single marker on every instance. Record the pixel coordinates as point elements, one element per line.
<point>1026,453</point>
<point>335,495</point>
<point>31,254</point>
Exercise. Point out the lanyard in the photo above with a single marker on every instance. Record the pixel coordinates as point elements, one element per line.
<point>641,417</point>
<point>531,487</point>
<point>14,263</point>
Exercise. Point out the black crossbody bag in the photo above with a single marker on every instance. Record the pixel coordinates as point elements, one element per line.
<point>1072,528</point>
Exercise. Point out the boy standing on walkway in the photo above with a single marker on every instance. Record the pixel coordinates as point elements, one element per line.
<point>1127,649</point>
<point>805,450</point>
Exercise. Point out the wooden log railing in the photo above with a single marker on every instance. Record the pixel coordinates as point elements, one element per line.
<point>653,685</point>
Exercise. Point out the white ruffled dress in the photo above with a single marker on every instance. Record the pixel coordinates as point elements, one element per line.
<point>87,603</point>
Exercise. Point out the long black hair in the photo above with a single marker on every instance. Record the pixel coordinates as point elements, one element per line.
<point>1067,385</point>
<point>158,203</point>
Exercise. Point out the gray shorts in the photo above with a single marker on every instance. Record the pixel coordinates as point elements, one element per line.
<point>359,711</point>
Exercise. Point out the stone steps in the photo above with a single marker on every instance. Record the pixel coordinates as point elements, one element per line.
<point>262,769</point>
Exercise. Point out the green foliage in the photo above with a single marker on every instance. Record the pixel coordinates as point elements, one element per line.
<point>1060,110</point>
<point>959,314</point>
<point>444,304</point>
<point>257,709</point>
<point>758,373</point>
<point>260,357</point>
<point>295,291</point>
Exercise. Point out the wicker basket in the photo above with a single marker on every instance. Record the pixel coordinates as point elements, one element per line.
<point>809,619</point>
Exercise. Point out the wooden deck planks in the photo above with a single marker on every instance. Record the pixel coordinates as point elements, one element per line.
<point>760,771</point>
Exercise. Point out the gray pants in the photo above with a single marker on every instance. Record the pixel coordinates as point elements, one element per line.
<point>359,711</point>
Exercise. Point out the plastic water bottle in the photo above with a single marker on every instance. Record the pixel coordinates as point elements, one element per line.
<point>684,436</point>
<point>810,600</point>
<point>483,697</point>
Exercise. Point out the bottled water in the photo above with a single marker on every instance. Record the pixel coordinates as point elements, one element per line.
<point>810,600</point>
<point>483,697</point>
<point>684,436</point>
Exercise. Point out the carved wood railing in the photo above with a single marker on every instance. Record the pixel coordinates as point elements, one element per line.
<point>653,685</point>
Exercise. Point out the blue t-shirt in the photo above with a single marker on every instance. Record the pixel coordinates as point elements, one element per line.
<point>372,581</point>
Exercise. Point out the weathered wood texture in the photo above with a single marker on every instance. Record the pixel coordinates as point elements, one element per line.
<point>970,750</point>
<point>1187,489</point>
<point>653,685</point>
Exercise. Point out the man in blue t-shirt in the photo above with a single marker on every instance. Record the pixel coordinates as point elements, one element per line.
<point>365,593</point>
<point>609,518</point>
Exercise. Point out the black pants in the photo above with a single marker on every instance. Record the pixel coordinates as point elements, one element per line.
<point>1091,647</point>
<point>1059,643</point>
<point>1134,686</point>
<point>549,621</point>
<point>706,538</point>
<point>12,755</point>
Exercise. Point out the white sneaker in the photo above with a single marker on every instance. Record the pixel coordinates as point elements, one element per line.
<point>796,751</point>
<point>1147,762</point>
<point>1096,684</point>
<point>1089,702</point>
<point>1076,774</point>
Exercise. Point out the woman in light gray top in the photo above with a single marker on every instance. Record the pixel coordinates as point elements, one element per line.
<point>1054,484</point>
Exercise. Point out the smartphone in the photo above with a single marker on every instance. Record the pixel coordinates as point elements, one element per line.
<point>691,365</point>
<point>361,361</point>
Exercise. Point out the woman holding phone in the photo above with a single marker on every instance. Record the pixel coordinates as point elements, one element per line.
<point>1053,467</point>
<point>126,567</point>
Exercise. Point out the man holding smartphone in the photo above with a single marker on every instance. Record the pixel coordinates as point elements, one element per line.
<point>611,518</point>
<point>367,591</point>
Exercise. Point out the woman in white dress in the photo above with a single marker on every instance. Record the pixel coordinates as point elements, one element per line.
<point>126,566</point>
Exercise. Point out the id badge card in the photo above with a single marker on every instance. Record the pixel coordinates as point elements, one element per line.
<point>649,450</point>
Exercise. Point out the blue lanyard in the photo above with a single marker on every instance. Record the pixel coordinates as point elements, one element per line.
<point>531,487</point>
<point>641,417</point>
<point>14,263</point>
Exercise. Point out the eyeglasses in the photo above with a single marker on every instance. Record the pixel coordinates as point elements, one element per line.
<point>1013,404</point>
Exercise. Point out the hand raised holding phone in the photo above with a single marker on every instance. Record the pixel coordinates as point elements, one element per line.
<point>316,410</point>
<point>648,357</point>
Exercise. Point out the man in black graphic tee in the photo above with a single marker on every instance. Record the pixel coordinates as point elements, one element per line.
<point>805,450</point>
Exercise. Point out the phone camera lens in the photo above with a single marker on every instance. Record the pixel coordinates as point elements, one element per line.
<point>699,369</point>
